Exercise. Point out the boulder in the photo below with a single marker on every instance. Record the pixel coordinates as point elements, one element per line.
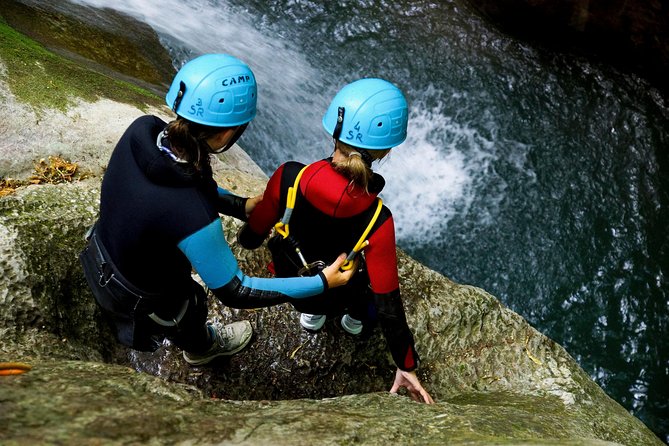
<point>97,38</point>
<point>79,402</point>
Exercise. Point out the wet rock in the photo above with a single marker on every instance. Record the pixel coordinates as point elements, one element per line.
<point>77,402</point>
<point>103,39</point>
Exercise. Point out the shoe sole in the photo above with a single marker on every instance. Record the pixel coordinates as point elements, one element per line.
<point>352,333</point>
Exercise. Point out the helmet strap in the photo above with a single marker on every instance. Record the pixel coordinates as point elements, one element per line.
<point>238,132</point>
<point>340,123</point>
<point>180,96</point>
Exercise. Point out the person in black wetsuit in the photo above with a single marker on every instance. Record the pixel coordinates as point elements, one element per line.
<point>336,199</point>
<point>159,220</point>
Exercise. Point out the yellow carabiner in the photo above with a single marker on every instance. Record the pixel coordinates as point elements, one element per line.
<point>281,229</point>
<point>348,264</point>
<point>282,225</point>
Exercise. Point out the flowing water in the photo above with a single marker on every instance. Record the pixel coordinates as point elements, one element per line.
<point>539,177</point>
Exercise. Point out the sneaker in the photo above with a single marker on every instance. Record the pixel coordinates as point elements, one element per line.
<point>351,325</point>
<point>313,322</point>
<point>228,340</point>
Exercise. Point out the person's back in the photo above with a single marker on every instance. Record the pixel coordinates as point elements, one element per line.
<point>330,214</point>
<point>144,213</point>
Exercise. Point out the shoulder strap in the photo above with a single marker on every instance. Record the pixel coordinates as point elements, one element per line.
<point>282,225</point>
<point>363,242</point>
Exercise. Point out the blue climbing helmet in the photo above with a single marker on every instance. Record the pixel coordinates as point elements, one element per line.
<point>217,90</point>
<point>369,114</point>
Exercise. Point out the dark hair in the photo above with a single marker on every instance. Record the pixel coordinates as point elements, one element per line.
<point>188,140</point>
<point>354,167</point>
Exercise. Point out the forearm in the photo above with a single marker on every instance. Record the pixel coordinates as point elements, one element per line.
<point>210,255</point>
<point>396,330</point>
<point>252,292</point>
<point>235,295</point>
<point>248,239</point>
<point>232,205</point>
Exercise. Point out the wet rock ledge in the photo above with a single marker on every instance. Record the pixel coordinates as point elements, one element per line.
<point>496,379</point>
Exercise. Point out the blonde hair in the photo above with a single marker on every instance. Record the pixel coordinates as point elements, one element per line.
<point>354,167</point>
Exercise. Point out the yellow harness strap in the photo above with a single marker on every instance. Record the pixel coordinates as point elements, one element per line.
<point>282,225</point>
<point>363,242</point>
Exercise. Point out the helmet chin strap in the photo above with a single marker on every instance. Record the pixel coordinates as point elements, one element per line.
<point>336,133</point>
<point>238,132</point>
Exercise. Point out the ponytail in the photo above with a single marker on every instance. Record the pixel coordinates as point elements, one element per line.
<point>188,141</point>
<point>354,166</point>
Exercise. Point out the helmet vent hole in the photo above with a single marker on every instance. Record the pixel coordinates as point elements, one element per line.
<point>222,100</point>
<point>380,124</point>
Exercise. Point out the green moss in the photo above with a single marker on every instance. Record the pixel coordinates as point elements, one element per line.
<point>43,79</point>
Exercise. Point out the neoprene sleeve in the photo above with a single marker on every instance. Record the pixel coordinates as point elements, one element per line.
<point>230,204</point>
<point>396,330</point>
<point>210,255</point>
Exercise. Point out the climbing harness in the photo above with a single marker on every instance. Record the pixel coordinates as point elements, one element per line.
<point>282,227</point>
<point>125,305</point>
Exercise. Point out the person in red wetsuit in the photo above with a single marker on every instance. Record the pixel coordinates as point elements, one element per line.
<point>335,204</point>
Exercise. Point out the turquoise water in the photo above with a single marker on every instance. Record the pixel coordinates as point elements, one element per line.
<point>539,177</point>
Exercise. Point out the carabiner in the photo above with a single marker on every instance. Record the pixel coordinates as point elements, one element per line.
<point>348,264</point>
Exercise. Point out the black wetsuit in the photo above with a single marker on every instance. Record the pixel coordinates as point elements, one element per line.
<point>159,220</point>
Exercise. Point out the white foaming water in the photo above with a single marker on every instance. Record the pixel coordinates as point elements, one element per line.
<point>433,175</point>
<point>197,24</point>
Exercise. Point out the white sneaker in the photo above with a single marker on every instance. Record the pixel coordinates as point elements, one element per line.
<point>351,325</point>
<point>313,322</point>
<point>228,340</point>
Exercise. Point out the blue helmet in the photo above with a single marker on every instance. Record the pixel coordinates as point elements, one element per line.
<point>369,114</point>
<point>217,90</point>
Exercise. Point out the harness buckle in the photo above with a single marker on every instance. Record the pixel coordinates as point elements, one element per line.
<point>105,280</point>
<point>311,269</point>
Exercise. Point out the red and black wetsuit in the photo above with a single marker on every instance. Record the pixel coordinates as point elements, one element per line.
<point>329,217</point>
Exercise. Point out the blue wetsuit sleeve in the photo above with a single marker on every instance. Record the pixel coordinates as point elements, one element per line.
<point>210,255</point>
<point>222,191</point>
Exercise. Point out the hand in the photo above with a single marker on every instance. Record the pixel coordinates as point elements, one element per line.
<point>335,276</point>
<point>410,381</point>
<point>251,204</point>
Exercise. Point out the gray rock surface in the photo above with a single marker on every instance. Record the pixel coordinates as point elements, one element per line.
<point>495,378</point>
